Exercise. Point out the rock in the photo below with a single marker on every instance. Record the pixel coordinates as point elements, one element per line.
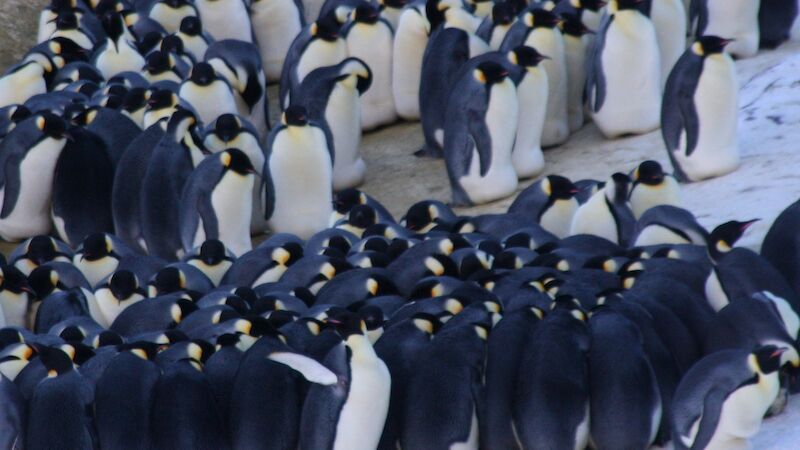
<point>18,31</point>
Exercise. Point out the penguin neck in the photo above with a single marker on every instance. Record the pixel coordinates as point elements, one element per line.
<point>361,348</point>
<point>461,19</point>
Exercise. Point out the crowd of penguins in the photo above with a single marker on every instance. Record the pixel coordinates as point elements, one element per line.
<point>137,158</point>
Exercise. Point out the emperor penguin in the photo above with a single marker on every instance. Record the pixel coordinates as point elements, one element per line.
<point>607,213</point>
<point>391,10</point>
<point>212,258</point>
<point>162,66</point>
<point>370,38</point>
<point>736,20</point>
<point>232,131</point>
<point>16,297</point>
<point>652,187</point>
<point>626,39</point>
<point>118,53</point>
<point>172,161</point>
<point>669,19</point>
<point>480,128</point>
<point>118,291</point>
<point>211,96</point>
<point>28,158</point>
<point>722,399</point>
<point>170,14</point>
<point>195,40</point>
<point>275,24</point>
<point>240,64</point>
<point>25,79</point>
<point>68,26</point>
<point>780,246</point>
<point>330,96</point>
<point>576,43</point>
<point>318,45</point>
<point>98,256</point>
<point>410,40</point>
<point>350,414</point>
<point>532,92</point>
<point>538,28</point>
<point>550,202</point>
<point>298,176</point>
<point>590,11</point>
<point>452,43</point>
<point>225,19</point>
<point>700,112</point>
<point>775,22</point>
<point>494,27</point>
<point>217,203</point>
<point>667,224</point>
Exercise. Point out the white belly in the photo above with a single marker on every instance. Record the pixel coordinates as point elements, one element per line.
<point>527,157</point>
<point>233,205</point>
<point>558,218</point>
<point>743,412</point>
<point>171,18</point>
<point>214,273</point>
<point>195,45</point>
<point>551,43</point>
<point>225,19</point>
<point>31,213</point>
<point>575,51</point>
<point>18,87</point>
<point>14,308</point>
<point>735,19</point>
<point>717,104</point>
<point>501,120</point>
<point>594,217</point>
<point>210,101</point>
<point>276,23</point>
<point>301,175</point>
<point>645,197</point>
<point>669,18</point>
<point>498,34</point>
<point>112,62</point>
<point>715,295</point>
<point>632,69</point>
<point>373,44</point>
<point>270,276</point>
<point>95,271</point>
<point>343,115</point>
<point>320,53</point>
<point>110,307</point>
<point>409,46</point>
<point>656,234</point>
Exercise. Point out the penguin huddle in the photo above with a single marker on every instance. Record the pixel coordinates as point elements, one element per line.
<point>436,331</point>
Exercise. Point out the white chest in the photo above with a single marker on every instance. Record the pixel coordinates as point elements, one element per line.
<point>233,205</point>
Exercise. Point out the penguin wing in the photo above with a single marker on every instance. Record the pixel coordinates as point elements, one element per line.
<point>323,405</point>
<point>309,368</point>
<point>10,182</point>
<point>678,112</point>
<point>480,135</point>
<point>709,418</point>
<point>267,186</point>
<point>515,36</point>
<point>595,78</point>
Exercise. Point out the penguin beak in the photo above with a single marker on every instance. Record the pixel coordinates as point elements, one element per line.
<point>747,225</point>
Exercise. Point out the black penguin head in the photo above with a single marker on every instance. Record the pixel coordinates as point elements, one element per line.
<point>227,127</point>
<point>635,5</point>
<point>440,265</point>
<point>541,18</point>
<point>42,249</point>
<point>362,216</point>
<point>295,116</point>
<point>181,122</point>
<point>570,304</point>
<point>18,113</point>
<point>202,74</point>
<point>169,279</point>
<point>372,316</point>
<point>113,25</point>
<point>180,309</point>
<point>710,45</point>
<point>44,281</point>
<point>212,252</point>
<point>191,26</point>
<point>434,11</point>
<point>723,238</point>
<point>123,284</point>
<point>503,13</point>
<point>572,25</point>
<point>355,67</point>
<point>591,5</point>
<point>558,187</point>
<point>397,4</point>
<point>106,338</point>
<point>525,56</point>
<point>344,201</point>
<point>427,323</point>
<point>158,62</point>
<point>346,323</point>
<point>97,246</point>
<point>73,333</point>
<point>66,20</point>
<point>287,254</point>
<point>13,280</point>
<point>420,215</point>
<point>649,173</point>
<point>237,161</point>
<point>621,184</point>
<point>51,125</point>
<point>490,72</point>
<point>161,99</point>
<point>55,360</point>
<point>172,44</point>
<point>135,99</point>
<point>366,12</point>
<point>767,359</point>
<point>175,4</point>
<point>326,28</point>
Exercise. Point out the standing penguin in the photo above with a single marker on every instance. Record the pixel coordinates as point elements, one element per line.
<point>118,53</point>
<point>494,28</point>
<point>318,45</point>
<point>240,63</point>
<point>775,21</point>
<point>410,40</point>
<point>330,96</point>
<point>576,44</point>
<point>210,95</point>
<point>780,245</point>
<point>549,202</point>
<point>169,167</point>
<point>195,40</point>
<point>216,202</point>
<point>479,134</point>
<point>624,57</point>
<point>607,213</point>
<point>700,111</point>
<point>225,19</point>
<point>652,187</point>
<point>170,14</point>
<point>351,413</point>
<point>370,38</point>
<point>669,19</point>
<point>275,24</point>
<point>28,157</point>
<point>539,29</point>
<point>735,19</point>
<point>722,399</point>
<point>532,92</point>
<point>298,175</point>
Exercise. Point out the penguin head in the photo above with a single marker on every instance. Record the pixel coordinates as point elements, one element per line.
<point>437,265</point>
<point>362,216</point>
<point>630,5</point>
<point>357,70</point>
<point>158,62</point>
<point>396,4</point>
<point>766,359</point>
<point>295,116</point>
<point>14,356</point>
<point>55,360</point>
<point>435,12</point>
<point>490,72</point>
<point>617,187</point>
<point>287,254</point>
<point>237,161</point>
<point>709,45</point>
<point>723,238</point>
<point>18,113</point>
<point>212,252</point>
<point>41,249</point>
<point>541,18</point>
<point>346,323</point>
<point>503,13</point>
<point>66,20</point>
<point>44,280</point>
<point>191,26</point>
<point>107,338</point>
<point>344,201</point>
<point>649,173</point>
<point>53,126</point>
<point>326,28</point>
<point>557,187</point>
<point>135,99</point>
<point>181,122</point>
<point>572,25</point>
<point>14,281</point>
<point>113,25</point>
<point>123,284</point>
<point>569,304</point>
<point>202,74</point>
<point>227,127</point>
<point>180,309</point>
<point>372,316</point>
<point>591,5</point>
<point>161,99</point>
<point>421,216</point>
<point>97,246</point>
<point>172,44</point>
<point>366,12</point>
<point>73,333</point>
<point>525,56</point>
